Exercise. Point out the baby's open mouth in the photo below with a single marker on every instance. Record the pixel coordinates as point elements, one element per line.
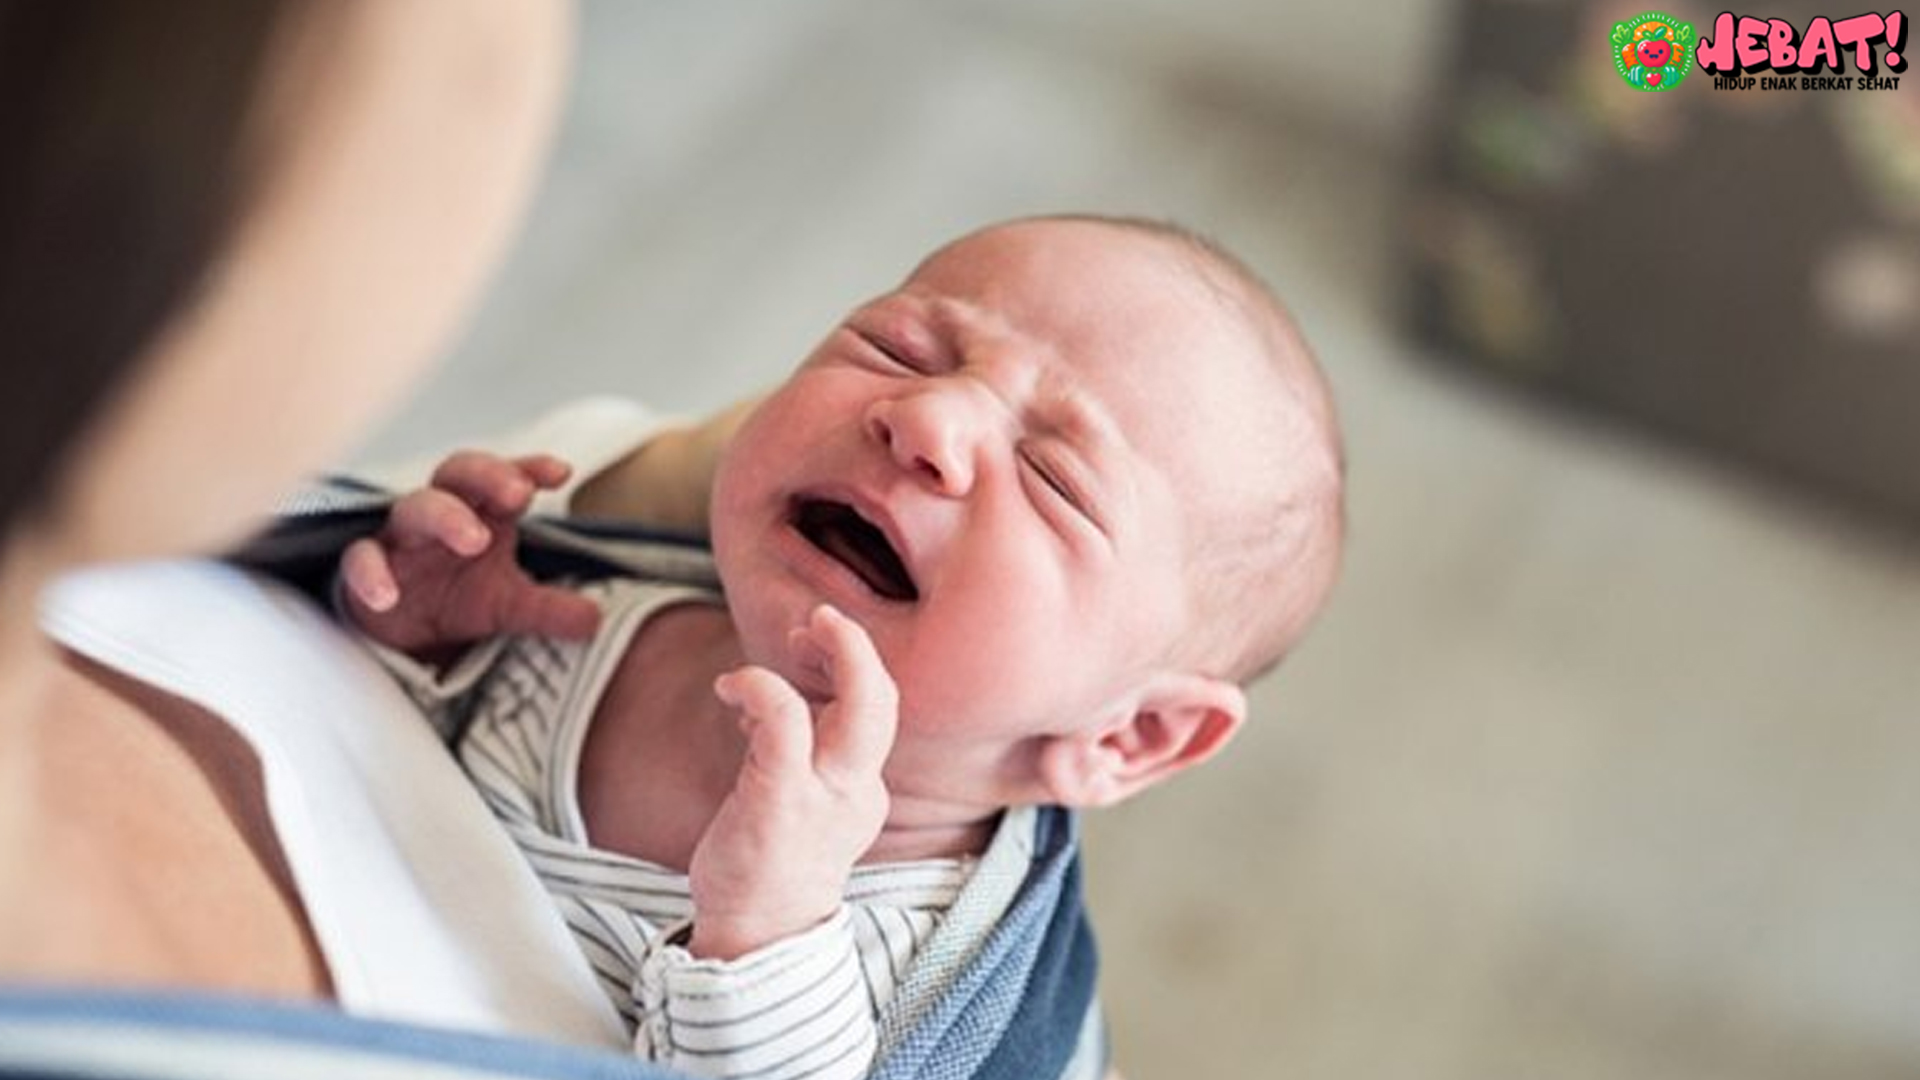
<point>855,542</point>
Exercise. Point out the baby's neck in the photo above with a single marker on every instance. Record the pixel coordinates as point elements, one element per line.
<point>663,751</point>
<point>901,839</point>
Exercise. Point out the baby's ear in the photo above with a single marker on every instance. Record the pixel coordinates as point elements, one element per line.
<point>1177,721</point>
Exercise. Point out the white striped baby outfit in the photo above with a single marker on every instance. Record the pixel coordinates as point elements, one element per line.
<point>805,1006</point>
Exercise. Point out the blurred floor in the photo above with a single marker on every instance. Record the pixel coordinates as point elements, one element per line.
<point>1604,762</point>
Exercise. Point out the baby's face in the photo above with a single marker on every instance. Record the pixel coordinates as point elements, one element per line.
<point>994,470</point>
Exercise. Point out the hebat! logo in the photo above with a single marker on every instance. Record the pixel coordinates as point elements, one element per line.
<point>1653,51</point>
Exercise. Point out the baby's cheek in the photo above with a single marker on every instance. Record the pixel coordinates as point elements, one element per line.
<point>980,695</point>
<point>940,692</point>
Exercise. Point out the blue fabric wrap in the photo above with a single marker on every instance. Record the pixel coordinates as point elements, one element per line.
<point>1015,1012</point>
<point>1017,1008</point>
<point>73,1033</point>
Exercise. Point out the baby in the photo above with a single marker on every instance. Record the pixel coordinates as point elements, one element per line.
<point>1014,535</point>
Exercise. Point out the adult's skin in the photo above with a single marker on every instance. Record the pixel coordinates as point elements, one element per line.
<point>391,145</point>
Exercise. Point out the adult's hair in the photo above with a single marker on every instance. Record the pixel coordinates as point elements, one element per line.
<point>124,164</point>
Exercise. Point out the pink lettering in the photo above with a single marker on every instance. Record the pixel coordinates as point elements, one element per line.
<point>1861,32</point>
<point>1716,55</point>
<point>1748,46</point>
<point>1818,48</point>
<point>1743,43</point>
<point>1781,39</point>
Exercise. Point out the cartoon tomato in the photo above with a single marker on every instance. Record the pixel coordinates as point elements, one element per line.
<point>1653,54</point>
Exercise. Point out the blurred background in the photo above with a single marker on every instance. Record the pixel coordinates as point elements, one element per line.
<point>1606,760</point>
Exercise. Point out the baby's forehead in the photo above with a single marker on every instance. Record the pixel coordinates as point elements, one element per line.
<point>1100,253</point>
<point>1202,369</point>
<point>1084,287</point>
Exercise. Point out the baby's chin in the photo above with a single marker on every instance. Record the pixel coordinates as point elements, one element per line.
<point>763,632</point>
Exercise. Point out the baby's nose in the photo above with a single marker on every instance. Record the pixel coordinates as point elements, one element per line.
<point>928,435</point>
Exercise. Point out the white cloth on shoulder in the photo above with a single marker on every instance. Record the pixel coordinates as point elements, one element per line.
<point>422,907</point>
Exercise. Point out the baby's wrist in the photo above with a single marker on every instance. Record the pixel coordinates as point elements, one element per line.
<point>731,936</point>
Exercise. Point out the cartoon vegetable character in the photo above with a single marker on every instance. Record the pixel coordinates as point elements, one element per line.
<point>1652,55</point>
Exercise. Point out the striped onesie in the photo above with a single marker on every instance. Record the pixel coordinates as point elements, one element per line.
<point>811,1005</point>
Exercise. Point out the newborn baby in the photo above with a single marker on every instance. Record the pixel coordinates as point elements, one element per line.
<point>1014,535</point>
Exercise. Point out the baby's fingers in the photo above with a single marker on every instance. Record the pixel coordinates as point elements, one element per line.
<point>549,611</point>
<point>499,486</point>
<point>545,470</point>
<point>368,577</point>
<point>432,516</point>
<point>778,724</point>
<point>856,731</point>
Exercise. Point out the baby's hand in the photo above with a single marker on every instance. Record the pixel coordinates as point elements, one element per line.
<point>442,572</point>
<point>809,799</point>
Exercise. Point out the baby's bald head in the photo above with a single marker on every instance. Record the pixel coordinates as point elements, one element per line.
<point>1262,568</point>
<point>1265,572</point>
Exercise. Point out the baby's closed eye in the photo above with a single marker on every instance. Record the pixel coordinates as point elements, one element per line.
<point>1060,480</point>
<point>891,353</point>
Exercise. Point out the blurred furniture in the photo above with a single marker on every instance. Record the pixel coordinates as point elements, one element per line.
<point>1738,270</point>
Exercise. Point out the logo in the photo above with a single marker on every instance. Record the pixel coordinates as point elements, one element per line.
<point>1830,54</point>
<point>1653,52</point>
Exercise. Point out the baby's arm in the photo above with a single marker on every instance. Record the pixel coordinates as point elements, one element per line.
<point>667,481</point>
<point>769,983</point>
